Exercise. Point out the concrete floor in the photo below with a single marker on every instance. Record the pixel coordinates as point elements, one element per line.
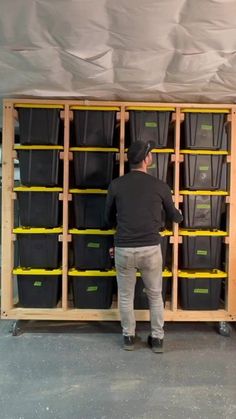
<point>79,371</point>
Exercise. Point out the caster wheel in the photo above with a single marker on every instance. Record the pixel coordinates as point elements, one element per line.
<point>224,329</point>
<point>16,328</point>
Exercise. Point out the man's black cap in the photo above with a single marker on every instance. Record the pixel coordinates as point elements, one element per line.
<point>139,150</point>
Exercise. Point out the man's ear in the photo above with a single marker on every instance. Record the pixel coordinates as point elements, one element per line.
<point>147,158</point>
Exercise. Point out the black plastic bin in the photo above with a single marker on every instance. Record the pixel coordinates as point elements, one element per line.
<point>165,247</point>
<point>38,248</point>
<point>91,251</point>
<point>160,165</point>
<point>201,252</point>
<point>205,131</point>
<point>150,125</point>
<point>92,291</point>
<point>89,210</point>
<point>140,296</point>
<point>204,172</point>
<point>94,128</point>
<point>39,125</point>
<point>39,207</point>
<point>39,167</point>
<point>93,169</point>
<point>38,288</point>
<point>200,293</point>
<point>202,211</point>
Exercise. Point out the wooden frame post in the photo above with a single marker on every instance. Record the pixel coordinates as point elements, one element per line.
<point>174,300</point>
<point>231,286</point>
<point>7,207</point>
<point>122,141</point>
<point>65,207</point>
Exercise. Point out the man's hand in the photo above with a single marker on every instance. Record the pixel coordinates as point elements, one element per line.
<point>112,252</point>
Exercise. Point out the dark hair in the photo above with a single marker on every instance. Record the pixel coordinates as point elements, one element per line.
<point>138,151</point>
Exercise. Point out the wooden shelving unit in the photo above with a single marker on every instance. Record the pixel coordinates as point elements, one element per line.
<point>64,311</point>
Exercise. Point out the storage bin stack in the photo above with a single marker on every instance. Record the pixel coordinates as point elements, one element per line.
<point>39,273</point>
<point>154,124</point>
<point>93,161</point>
<point>204,181</point>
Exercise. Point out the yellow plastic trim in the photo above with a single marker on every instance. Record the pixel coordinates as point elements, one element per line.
<point>36,189</point>
<point>100,149</point>
<point>165,274</point>
<point>92,231</point>
<point>148,108</point>
<point>162,150</point>
<point>186,192</point>
<point>95,108</point>
<point>105,232</point>
<point>215,273</point>
<point>38,147</point>
<point>37,230</point>
<point>195,233</point>
<point>77,272</point>
<point>202,110</point>
<point>26,271</point>
<point>37,105</point>
<point>166,233</point>
<point>159,150</point>
<point>216,152</point>
<point>88,191</point>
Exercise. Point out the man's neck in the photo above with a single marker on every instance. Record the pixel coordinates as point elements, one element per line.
<point>142,169</point>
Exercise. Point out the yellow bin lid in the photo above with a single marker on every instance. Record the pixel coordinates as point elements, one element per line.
<point>36,189</point>
<point>26,271</point>
<point>215,273</point>
<point>77,272</point>
<point>33,230</point>
<point>92,231</point>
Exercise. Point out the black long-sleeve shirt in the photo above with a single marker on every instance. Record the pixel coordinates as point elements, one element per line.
<point>134,205</point>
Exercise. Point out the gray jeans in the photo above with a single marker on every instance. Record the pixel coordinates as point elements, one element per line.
<point>148,260</point>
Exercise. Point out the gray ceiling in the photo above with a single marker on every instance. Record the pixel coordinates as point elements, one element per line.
<point>162,50</point>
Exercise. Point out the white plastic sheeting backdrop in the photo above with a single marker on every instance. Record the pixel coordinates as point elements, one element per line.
<point>162,50</point>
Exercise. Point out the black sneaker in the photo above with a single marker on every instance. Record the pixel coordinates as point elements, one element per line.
<point>156,344</point>
<point>128,343</point>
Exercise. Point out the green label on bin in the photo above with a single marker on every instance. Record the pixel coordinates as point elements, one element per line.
<point>150,124</point>
<point>202,252</point>
<point>204,168</point>
<point>153,166</point>
<point>206,127</point>
<point>37,283</point>
<point>203,206</point>
<point>93,288</point>
<point>94,245</point>
<point>201,291</point>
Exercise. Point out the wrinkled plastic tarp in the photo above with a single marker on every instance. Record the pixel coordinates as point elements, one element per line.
<point>162,50</point>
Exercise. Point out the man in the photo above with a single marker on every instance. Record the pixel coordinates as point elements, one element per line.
<point>134,205</point>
